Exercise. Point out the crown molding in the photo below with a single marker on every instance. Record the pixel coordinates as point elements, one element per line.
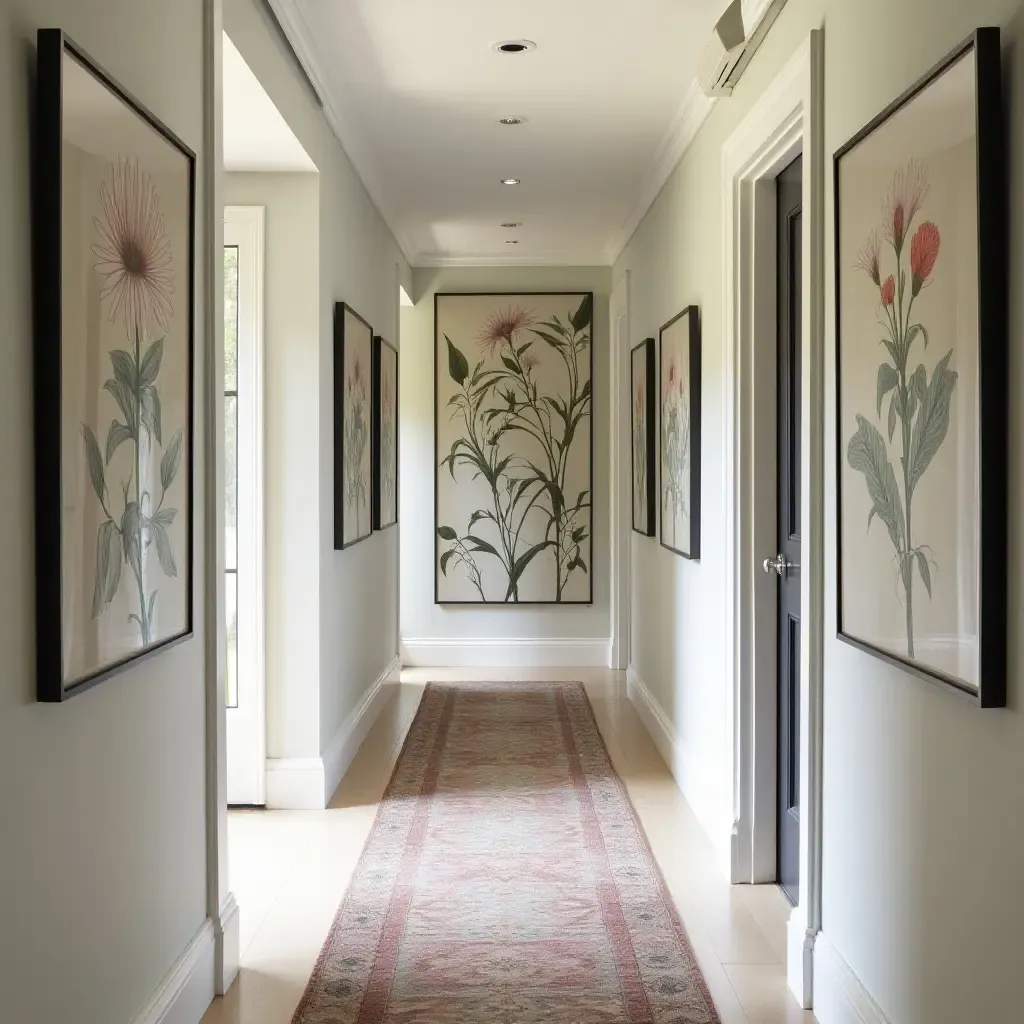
<point>694,111</point>
<point>300,37</point>
<point>558,259</point>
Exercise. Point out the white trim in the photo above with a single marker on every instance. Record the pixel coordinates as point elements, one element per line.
<point>188,987</point>
<point>560,258</point>
<point>657,722</point>
<point>245,225</point>
<point>228,944</point>
<point>621,472</point>
<point>839,995</point>
<point>308,783</point>
<point>786,120</point>
<point>540,652</point>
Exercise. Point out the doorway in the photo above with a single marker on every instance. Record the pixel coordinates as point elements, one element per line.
<point>786,565</point>
<point>243,504</point>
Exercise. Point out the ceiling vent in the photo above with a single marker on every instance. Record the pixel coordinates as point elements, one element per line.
<point>732,45</point>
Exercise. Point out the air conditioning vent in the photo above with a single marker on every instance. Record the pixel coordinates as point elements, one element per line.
<point>732,45</point>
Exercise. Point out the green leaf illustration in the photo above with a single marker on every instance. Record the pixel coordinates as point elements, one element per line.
<point>913,332</point>
<point>523,348</point>
<point>125,402</point>
<point>124,370</point>
<point>108,566</point>
<point>163,547</point>
<point>892,416</point>
<point>151,363</point>
<point>165,516</point>
<point>925,570</point>
<point>95,461</point>
<point>117,433</point>
<point>131,536</point>
<point>888,378</point>
<point>149,411</point>
<point>481,545</point>
<point>522,562</point>
<point>579,534</point>
<point>510,364</point>
<point>933,420</point>
<point>866,454</point>
<point>447,533</point>
<point>581,318</point>
<point>171,461</point>
<point>445,559</point>
<point>458,365</point>
<point>150,606</point>
<point>550,339</point>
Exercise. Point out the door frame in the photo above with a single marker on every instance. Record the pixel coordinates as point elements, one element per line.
<point>787,120</point>
<point>248,222</point>
<point>620,508</point>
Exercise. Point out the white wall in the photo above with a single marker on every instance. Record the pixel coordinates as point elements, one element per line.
<point>924,806</point>
<point>291,418</point>
<point>103,799</point>
<point>435,634</point>
<point>360,263</point>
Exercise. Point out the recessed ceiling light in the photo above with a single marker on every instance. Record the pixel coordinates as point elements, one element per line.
<point>510,181</point>
<point>511,120</point>
<point>512,224</point>
<point>511,241</point>
<point>515,46</point>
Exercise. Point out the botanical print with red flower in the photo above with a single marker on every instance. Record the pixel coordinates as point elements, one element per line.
<point>675,434</point>
<point>896,442</point>
<point>356,441</point>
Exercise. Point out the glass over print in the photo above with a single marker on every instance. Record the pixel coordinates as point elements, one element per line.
<point>124,337</point>
<point>909,250</point>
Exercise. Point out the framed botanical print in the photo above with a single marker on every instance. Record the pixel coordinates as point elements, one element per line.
<point>385,434</point>
<point>114,274</point>
<point>513,447</point>
<point>353,410</point>
<point>921,361</point>
<point>679,421</point>
<point>642,427</point>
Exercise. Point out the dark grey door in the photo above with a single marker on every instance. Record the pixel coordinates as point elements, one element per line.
<point>787,563</point>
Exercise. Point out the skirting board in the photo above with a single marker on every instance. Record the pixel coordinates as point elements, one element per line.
<point>839,995</point>
<point>308,783</point>
<point>530,652</point>
<point>188,988</point>
<point>663,733</point>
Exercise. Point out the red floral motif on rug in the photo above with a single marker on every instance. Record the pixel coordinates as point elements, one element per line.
<point>506,880</point>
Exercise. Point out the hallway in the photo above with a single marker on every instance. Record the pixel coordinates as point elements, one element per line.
<point>290,869</point>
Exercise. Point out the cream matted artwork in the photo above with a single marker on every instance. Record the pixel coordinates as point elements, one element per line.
<point>353,425</point>
<point>513,448</point>
<point>115,231</point>
<point>919,316</point>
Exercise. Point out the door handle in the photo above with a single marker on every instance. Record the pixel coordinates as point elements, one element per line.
<point>780,564</point>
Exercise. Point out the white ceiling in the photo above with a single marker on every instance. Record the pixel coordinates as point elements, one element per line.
<point>256,136</point>
<point>414,90</point>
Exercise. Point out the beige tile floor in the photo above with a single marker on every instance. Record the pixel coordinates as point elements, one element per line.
<point>289,869</point>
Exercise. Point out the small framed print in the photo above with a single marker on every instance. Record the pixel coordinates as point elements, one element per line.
<point>642,420</point>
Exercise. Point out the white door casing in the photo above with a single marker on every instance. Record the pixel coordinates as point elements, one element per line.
<point>621,476</point>
<point>787,120</point>
<point>246,723</point>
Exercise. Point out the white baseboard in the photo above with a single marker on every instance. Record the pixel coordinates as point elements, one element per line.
<point>529,652</point>
<point>351,733</point>
<point>227,955</point>
<point>671,748</point>
<point>188,987</point>
<point>839,995</point>
<point>308,783</point>
<point>800,942</point>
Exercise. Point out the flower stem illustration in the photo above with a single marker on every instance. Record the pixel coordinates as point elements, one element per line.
<point>495,403</point>
<point>918,404</point>
<point>135,262</point>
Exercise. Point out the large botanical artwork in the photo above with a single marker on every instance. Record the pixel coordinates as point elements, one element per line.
<point>679,422</point>
<point>513,447</point>
<point>353,367</point>
<point>385,458</point>
<point>912,396</point>
<point>114,376</point>
<point>642,431</point>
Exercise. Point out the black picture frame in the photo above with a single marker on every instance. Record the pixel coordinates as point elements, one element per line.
<point>340,310</point>
<point>645,351</point>
<point>694,353</point>
<point>992,215</point>
<point>379,344</point>
<point>52,46</point>
<point>589,600</point>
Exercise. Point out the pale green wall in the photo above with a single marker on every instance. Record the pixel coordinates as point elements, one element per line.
<point>924,805</point>
<point>103,799</point>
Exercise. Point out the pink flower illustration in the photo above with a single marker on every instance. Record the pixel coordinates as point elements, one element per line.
<point>868,259</point>
<point>924,251</point>
<point>501,326</point>
<point>888,290</point>
<point>904,201</point>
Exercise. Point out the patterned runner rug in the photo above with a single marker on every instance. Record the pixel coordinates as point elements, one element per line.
<point>506,880</point>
